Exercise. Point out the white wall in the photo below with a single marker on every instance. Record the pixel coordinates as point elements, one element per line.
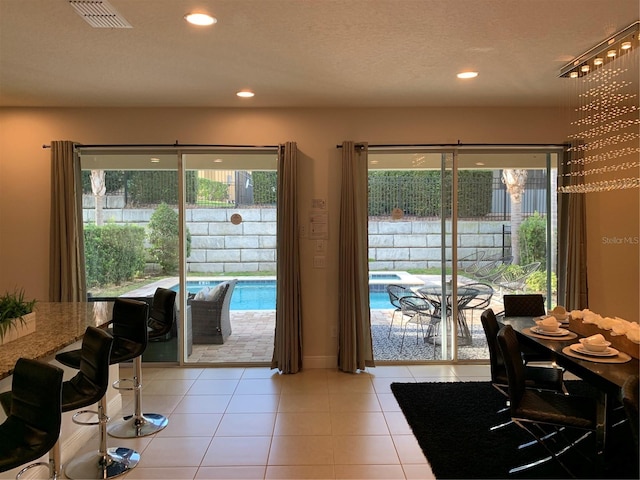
<point>25,177</point>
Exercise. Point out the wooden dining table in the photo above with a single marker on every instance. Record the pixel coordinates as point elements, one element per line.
<point>607,374</point>
<point>58,324</point>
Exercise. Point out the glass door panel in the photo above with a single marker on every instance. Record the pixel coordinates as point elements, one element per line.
<point>406,256</point>
<point>130,213</point>
<point>230,256</point>
<point>427,204</point>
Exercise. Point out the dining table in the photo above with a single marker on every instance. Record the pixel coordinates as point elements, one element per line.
<point>606,372</point>
<point>442,301</point>
<point>58,325</point>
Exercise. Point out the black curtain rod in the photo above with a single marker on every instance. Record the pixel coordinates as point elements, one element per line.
<point>450,145</point>
<point>165,145</point>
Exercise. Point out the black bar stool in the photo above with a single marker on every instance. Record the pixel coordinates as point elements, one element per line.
<point>130,337</point>
<point>34,415</point>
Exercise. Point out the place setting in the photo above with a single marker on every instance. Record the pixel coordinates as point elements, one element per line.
<point>596,349</point>
<point>549,328</point>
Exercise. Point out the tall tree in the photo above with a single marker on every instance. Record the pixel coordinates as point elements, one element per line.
<point>515,180</point>
<point>99,188</point>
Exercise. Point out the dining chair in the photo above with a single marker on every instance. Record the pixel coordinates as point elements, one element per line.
<point>34,416</point>
<point>527,305</point>
<point>540,378</point>
<point>535,411</point>
<point>629,397</point>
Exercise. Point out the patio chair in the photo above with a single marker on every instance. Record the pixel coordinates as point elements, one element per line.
<point>396,292</point>
<point>210,318</point>
<point>481,300</point>
<point>493,269</point>
<point>421,312</point>
<point>515,279</point>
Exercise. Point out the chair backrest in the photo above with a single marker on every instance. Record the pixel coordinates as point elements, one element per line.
<point>491,329</point>
<point>525,305</point>
<point>32,426</point>
<point>413,306</point>
<point>396,292</point>
<point>482,297</point>
<point>162,315</point>
<point>629,396</point>
<point>130,320</point>
<point>510,349</point>
<point>92,380</point>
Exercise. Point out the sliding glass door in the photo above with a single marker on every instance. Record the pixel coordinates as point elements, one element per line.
<point>193,221</point>
<point>460,227</point>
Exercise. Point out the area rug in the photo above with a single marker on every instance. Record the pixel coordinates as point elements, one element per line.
<point>451,422</point>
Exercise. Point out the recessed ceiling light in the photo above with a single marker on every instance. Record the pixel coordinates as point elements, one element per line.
<point>626,45</point>
<point>245,94</point>
<point>611,53</point>
<point>467,75</point>
<point>155,160</point>
<point>200,19</point>
<point>598,61</point>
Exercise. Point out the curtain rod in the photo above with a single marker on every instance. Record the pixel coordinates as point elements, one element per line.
<point>164,145</point>
<point>450,145</point>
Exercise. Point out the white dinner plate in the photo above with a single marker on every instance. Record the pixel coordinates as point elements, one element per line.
<point>561,332</point>
<point>609,352</point>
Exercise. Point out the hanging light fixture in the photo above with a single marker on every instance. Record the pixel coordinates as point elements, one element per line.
<point>604,137</point>
<point>603,53</point>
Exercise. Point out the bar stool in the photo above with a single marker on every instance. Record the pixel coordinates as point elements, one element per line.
<point>130,337</point>
<point>34,415</point>
<point>162,314</point>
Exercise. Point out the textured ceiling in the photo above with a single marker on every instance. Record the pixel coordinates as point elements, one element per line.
<point>301,53</point>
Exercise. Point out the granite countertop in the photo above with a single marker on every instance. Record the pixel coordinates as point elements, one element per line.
<point>57,326</point>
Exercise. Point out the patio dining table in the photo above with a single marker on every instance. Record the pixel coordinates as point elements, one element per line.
<point>435,295</point>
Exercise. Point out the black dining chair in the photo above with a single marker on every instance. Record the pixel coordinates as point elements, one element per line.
<point>34,416</point>
<point>527,305</point>
<point>533,410</point>
<point>541,378</point>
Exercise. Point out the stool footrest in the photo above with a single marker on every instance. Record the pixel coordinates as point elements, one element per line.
<point>84,412</point>
<point>118,384</point>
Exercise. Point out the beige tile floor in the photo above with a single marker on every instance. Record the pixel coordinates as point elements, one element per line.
<point>253,423</point>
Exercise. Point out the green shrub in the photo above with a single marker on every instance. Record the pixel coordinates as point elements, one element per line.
<point>265,186</point>
<point>533,239</point>
<point>163,237</point>
<point>537,282</point>
<point>419,193</point>
<point>148,187</point>
<point>212,191</point>
<point>113,253</point>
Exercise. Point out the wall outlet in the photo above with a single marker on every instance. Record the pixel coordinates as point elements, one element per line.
<point>302,230</point>
<point>319,261</point>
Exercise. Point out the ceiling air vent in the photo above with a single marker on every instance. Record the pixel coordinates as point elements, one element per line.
<point>99,14</point>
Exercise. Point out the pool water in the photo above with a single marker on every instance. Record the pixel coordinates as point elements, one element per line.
<point>261,294</point>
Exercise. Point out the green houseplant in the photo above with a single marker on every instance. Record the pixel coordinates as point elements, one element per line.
<point>13,310</point>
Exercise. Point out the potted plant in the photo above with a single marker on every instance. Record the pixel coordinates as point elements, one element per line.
<point>17,317</point>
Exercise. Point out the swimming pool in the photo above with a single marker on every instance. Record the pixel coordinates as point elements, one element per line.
<point>261,294</point>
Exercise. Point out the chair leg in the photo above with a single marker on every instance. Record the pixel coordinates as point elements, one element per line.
<point>552,455</point>
<point>106,462</point>
<point>139,424</point>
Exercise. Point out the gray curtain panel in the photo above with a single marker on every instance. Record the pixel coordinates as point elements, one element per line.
<point>287,351</point>
<point>572,243</point>
<point>67,281</point>
<point>355,348</point>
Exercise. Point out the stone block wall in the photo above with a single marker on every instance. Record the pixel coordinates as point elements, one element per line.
<point>218,246</point>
